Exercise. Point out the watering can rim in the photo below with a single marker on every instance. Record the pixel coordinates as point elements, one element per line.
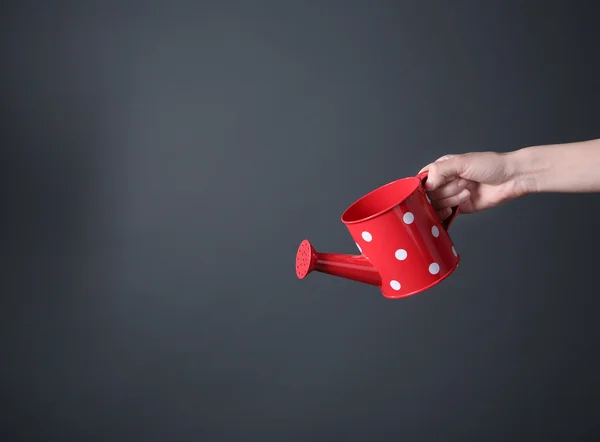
<point>418,182</point>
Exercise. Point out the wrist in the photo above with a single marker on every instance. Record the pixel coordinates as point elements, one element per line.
<point>526,169</point>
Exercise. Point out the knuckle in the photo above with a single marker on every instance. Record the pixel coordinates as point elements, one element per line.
<point>434,171</point>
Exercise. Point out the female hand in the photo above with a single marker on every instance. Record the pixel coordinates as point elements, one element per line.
<point>481,180</point>
<point>476,181</point>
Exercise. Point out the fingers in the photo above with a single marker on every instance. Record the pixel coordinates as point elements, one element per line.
<point>445,157</point>
<point>448,189</point>
<point>444,213</point>
<point>444,170</point>
<point>444,184</point>
<point>451,201</point>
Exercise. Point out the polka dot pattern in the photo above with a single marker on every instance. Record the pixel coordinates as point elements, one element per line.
<point>434,268</point>
<point>401,254</point>
<point>420,266</point>
<point>408,218</point>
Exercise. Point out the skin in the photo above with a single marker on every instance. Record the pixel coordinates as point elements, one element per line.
<point>481,180</point>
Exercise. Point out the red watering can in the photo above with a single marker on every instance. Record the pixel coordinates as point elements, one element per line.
<point>405,248</point>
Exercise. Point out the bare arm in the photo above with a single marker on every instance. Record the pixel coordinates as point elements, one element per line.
<point>480,180</point>
<point>571,167</point>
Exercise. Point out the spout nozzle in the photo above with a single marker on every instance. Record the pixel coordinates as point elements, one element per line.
<point>355,267</point>
<point>306,259</point>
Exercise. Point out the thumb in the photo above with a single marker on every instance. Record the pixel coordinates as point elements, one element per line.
<point>445,170</point>
<point>445,157</point>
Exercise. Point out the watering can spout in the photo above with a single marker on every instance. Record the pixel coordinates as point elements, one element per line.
<point>354,267</point>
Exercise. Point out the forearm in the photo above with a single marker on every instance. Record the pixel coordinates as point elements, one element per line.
<point>572,167</point>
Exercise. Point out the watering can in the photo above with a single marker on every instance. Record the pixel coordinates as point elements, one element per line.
<point>404,247</point>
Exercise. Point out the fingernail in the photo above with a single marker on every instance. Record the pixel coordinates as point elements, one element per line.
<point>461,182</point>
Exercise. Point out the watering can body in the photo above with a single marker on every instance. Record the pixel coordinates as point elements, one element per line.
<point>404,247</point>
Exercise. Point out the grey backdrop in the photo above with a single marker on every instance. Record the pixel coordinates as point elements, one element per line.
<point>162,161</point>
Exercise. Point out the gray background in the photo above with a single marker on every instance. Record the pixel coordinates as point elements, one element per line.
<point>162,161</point>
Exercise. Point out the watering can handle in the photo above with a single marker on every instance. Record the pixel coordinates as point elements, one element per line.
<point>445,223</point>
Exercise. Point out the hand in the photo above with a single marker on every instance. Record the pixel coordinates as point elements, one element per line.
<point>476,181</point>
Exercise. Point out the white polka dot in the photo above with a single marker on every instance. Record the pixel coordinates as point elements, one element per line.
<point>434,268</point>
<point>454,251</point>
<point>395,285</point>
<point>367,236</point>
<point>359,249</point>
<point>401,254</point>
<point>408,218</point>
<point>435,231</point>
